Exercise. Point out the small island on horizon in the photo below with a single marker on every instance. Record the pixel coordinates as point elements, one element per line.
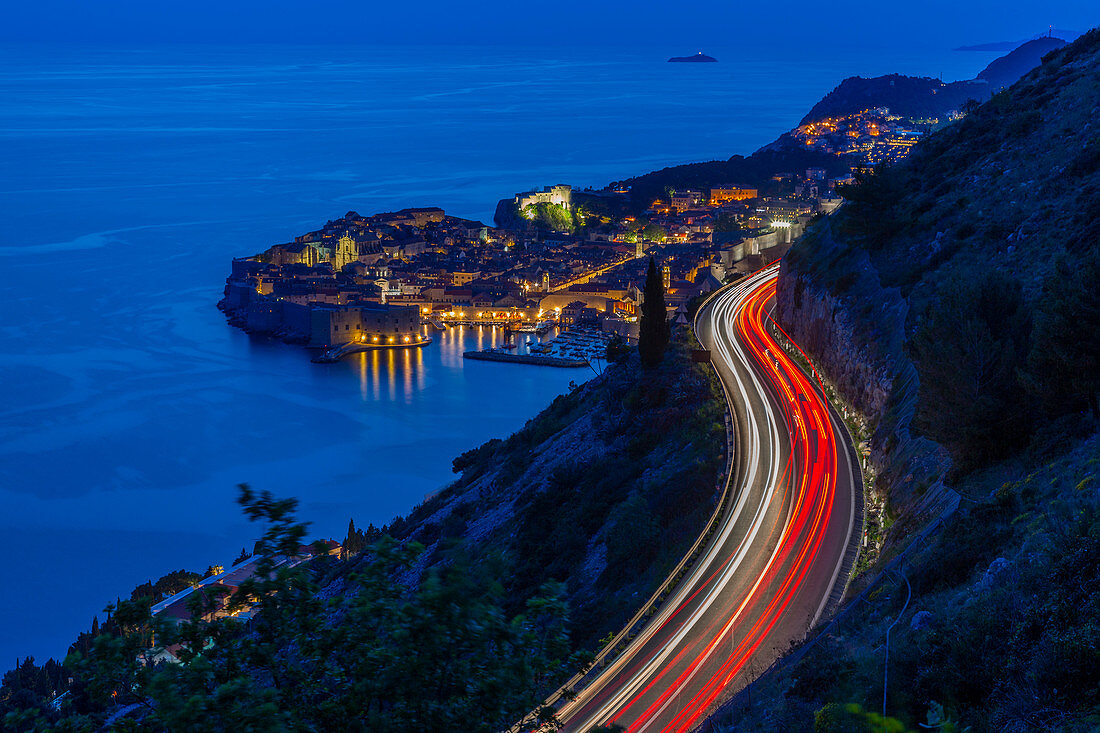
<point>699,57</point>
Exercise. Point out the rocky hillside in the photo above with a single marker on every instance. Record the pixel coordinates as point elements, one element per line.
<point>952,301</point>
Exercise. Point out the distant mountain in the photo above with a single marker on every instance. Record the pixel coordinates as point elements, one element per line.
<point>1009,45</point>
<point>913,96</point>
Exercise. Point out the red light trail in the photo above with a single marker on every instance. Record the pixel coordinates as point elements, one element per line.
<point>765,577</point>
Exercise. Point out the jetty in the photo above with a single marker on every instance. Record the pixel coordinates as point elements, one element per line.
<point>336,353</point>
<point>554,361</point>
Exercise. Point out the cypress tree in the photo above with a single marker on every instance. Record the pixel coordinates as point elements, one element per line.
<point>653,331</point>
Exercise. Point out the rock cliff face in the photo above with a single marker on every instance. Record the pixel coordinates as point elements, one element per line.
<point>859,350</point>
<point>505,216</point>
<point>841,342</point>
<point>856,339</point>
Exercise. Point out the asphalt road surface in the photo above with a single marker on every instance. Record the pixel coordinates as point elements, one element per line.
<point>767,573</point>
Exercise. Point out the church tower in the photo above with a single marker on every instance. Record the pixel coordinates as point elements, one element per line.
<point>346,252</point>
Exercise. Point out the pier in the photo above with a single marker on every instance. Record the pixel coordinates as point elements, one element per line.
<point>554,361</point>
<point>336,353</point>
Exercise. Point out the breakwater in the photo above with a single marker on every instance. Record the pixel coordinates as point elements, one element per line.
<point>554,361</point>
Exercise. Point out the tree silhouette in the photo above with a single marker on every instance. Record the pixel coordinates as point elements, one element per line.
<point>653,331</point>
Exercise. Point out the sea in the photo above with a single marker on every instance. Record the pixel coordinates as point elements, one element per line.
<point>129,177</point>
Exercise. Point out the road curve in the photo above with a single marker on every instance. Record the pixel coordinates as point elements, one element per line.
<point>767,573</point>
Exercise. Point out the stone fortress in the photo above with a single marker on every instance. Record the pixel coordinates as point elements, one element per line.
<point>560,195</point>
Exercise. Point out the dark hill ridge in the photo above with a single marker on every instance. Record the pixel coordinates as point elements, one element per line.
<point>912,96</point>
<point>952,301</point>
<point>1006,70</point>
<point>909,96</point>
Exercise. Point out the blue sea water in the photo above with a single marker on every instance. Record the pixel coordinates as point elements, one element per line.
<point>129,409</point>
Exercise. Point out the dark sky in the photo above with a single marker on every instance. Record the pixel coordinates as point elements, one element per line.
<point>649,23</point>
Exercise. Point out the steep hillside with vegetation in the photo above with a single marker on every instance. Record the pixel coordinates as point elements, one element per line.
<point>953,303</point>
<point>781,156</point>
<point>464,615</point>
<point>604,491</point>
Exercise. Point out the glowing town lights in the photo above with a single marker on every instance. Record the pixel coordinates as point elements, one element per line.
<point>391,339</point>
<point>375,339</point>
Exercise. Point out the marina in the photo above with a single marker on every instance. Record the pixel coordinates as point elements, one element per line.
<point>574,348</point>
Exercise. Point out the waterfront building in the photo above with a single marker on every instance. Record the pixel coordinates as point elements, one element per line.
<point>332,325</point>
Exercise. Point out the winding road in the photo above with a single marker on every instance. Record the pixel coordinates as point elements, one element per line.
<point>767,573</point>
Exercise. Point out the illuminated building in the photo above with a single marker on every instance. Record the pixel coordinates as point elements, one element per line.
<point>368,323</point>
<point>560,195</point>
<point>686,199</point>
<point>725,194</point>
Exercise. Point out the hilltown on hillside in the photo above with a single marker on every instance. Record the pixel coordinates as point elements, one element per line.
<point>556,256</point>
<point>378,279</point>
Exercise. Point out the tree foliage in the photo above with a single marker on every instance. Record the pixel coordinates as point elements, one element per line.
<point>551,216</point>
<point>1064,363</point>
<point>969,349</point>
<point>438,655</point>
